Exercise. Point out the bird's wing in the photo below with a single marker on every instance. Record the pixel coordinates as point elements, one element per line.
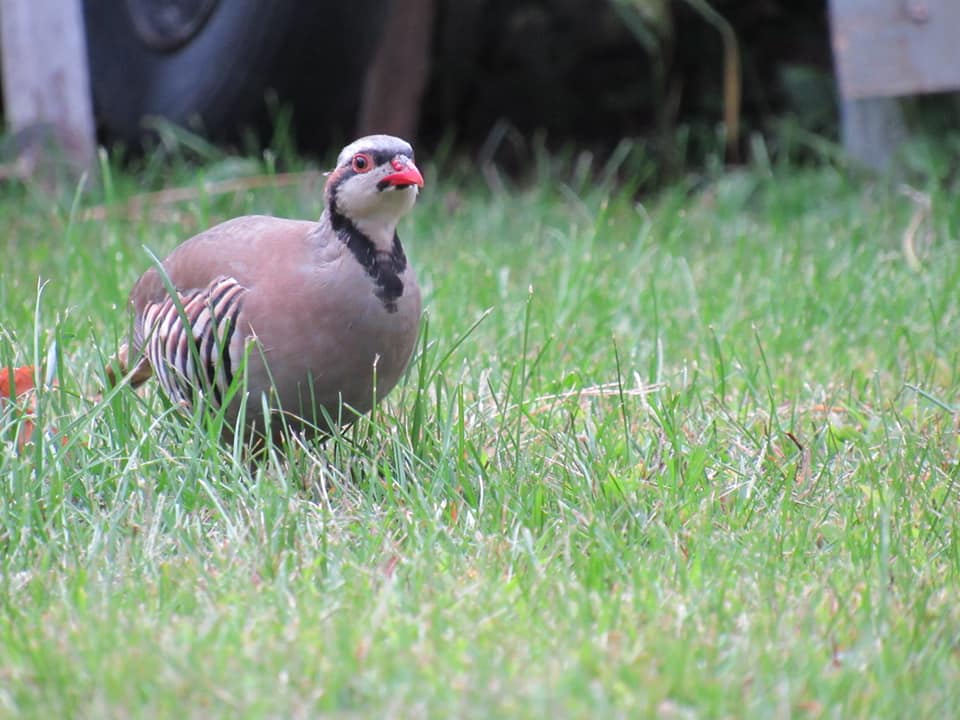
<point>202,269</point>
<point>189,340</point>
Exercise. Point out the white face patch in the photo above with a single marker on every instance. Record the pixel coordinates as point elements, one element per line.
<point>362,193</point>
<point>361,199</point>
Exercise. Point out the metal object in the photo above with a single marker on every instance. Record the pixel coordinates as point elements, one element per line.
<point>167,25</point>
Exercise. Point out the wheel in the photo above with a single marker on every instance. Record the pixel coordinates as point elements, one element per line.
<point>209,63</point>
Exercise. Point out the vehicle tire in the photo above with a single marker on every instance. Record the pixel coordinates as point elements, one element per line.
<point>209,63</point>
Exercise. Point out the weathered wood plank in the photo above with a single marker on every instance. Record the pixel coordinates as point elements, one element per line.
<point>45,78</point>
<point>895,47</point>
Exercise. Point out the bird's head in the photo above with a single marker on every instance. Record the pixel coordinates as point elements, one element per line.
<point>375,182</point>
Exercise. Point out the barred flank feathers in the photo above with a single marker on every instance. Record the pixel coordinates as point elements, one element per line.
<point>174,349</point>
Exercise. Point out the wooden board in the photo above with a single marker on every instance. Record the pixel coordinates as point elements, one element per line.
<point>896,47</point>
<point>45,80</point>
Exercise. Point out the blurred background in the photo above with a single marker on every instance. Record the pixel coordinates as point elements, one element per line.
<point>683,80</point>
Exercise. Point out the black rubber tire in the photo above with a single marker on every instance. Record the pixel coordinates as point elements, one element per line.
<point>219,78</point>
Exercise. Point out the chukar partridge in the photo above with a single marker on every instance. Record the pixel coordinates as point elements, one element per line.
<point>322,315</point>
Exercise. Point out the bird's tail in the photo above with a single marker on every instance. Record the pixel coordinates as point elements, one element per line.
<point>119,367</point>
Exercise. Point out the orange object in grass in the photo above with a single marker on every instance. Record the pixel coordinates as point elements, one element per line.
<point>14,385</point>
<point>21,380</point>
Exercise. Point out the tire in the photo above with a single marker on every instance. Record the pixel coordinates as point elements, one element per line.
<point>213,74</point>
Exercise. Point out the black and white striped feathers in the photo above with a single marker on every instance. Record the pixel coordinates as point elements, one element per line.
<point>189,342</point>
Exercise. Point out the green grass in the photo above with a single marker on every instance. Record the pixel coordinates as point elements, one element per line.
<point>697,458</point>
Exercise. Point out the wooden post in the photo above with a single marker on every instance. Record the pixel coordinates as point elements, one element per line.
<point>398,73</point>
<point>46,85</point>
<point>873,130</point>
<point>884,50</point>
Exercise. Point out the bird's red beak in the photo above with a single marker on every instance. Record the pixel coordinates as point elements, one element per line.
<point>406,174</point>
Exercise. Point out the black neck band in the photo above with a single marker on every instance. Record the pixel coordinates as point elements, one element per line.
<point>384,268</point>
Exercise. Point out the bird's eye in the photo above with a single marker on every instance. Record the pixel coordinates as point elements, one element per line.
<point>361,163</point>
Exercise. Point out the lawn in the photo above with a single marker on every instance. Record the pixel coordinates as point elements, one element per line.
<point>692,455</point>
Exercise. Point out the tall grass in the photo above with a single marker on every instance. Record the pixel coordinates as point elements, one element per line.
<point>690,456</point>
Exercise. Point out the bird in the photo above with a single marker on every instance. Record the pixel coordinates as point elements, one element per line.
<point>321,317</point>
